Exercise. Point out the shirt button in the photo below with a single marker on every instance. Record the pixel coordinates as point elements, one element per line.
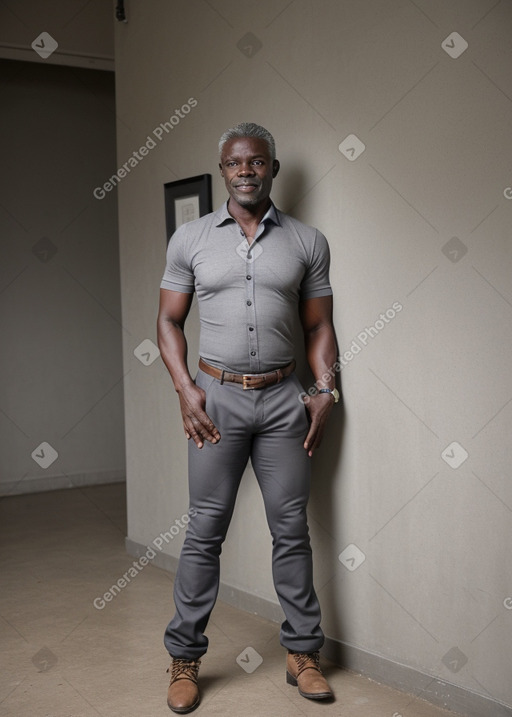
<point>249,302</point>
<point>248,277</point>
<point>253,353</point>
<point>251,328</point>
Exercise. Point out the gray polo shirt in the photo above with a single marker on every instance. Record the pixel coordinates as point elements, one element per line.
<point>248,295</point>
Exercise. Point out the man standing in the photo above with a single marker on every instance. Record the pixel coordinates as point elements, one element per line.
<point>252,268</point>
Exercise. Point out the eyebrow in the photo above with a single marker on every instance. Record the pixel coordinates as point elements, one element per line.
<point>253,156</point>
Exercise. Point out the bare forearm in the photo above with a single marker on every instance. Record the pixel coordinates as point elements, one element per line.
<point>173,349</point>
<point>174,308</point>
<point>321,353</point>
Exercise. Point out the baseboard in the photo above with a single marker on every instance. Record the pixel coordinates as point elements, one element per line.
<point>376,667</point>
<point>406,679</point>
<point>58,482</point>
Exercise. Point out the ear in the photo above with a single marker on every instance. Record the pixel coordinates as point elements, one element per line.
<point>221,172</point>
<point>275,168</point>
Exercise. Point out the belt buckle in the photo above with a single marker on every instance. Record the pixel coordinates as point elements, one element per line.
<point>250,381</point>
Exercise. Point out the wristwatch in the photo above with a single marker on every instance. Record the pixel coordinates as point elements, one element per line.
<point>335,393</point>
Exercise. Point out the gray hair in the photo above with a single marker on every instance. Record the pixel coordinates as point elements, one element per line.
<point>249,129</point>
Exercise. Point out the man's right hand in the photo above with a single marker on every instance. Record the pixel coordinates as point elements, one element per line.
<point>196,422</point>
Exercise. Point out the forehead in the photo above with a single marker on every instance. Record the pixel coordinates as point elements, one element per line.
<point>245,147</point>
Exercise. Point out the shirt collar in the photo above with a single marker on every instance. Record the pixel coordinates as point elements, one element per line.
<point>222,215</point>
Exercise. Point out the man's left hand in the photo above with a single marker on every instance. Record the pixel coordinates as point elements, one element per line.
<point>318,406</point>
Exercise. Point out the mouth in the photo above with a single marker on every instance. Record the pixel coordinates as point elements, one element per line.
<point>246,187</point>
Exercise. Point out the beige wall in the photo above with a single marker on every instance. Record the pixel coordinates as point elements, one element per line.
<point>79,34</point>
<point>431,594</point>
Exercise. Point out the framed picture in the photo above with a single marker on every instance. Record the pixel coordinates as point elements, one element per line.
<point>185,200</point>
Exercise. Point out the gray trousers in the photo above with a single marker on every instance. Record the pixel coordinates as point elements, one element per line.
<point>268,426</point>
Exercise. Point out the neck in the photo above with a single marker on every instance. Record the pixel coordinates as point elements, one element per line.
<point>248,215</point>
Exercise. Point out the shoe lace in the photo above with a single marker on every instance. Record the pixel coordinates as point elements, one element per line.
<point>184,669</point>
<point>307,660</point>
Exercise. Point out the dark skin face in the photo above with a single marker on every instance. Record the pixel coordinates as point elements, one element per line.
<point>248,171</point>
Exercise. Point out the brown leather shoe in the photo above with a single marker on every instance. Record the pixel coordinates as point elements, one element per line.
<point>183,694</point>
<point>303,671</point>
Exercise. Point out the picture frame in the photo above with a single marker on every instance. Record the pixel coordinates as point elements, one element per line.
<point>185,200</point>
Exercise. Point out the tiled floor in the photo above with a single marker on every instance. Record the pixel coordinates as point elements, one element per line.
<point>62,657</point>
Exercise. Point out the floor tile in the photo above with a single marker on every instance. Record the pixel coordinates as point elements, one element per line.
<point>68,652</point>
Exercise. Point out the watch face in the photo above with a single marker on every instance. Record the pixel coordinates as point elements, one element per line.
<point>334,393</point>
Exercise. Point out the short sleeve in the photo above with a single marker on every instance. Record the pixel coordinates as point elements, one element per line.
<point>316,279</point>
<point>178,274</point>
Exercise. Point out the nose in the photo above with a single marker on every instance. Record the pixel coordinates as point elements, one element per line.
<point>245,169</point>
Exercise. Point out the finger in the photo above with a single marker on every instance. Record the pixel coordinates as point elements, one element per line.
<point>315,444</point>
<point>196,438</point>
<point>213,431</point>
<point>208,430</point>
<point>318,437</point>
<point>196,422</point>
<point>314,437</point>
<point>202,422</point>
<point>202,426</point>
<point>310,439</point>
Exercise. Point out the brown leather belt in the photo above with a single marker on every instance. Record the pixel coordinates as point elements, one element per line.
<point>248,380</point>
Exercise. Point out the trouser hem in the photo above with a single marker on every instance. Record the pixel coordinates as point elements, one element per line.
<point>178,655</point>
<point>305,646</point>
